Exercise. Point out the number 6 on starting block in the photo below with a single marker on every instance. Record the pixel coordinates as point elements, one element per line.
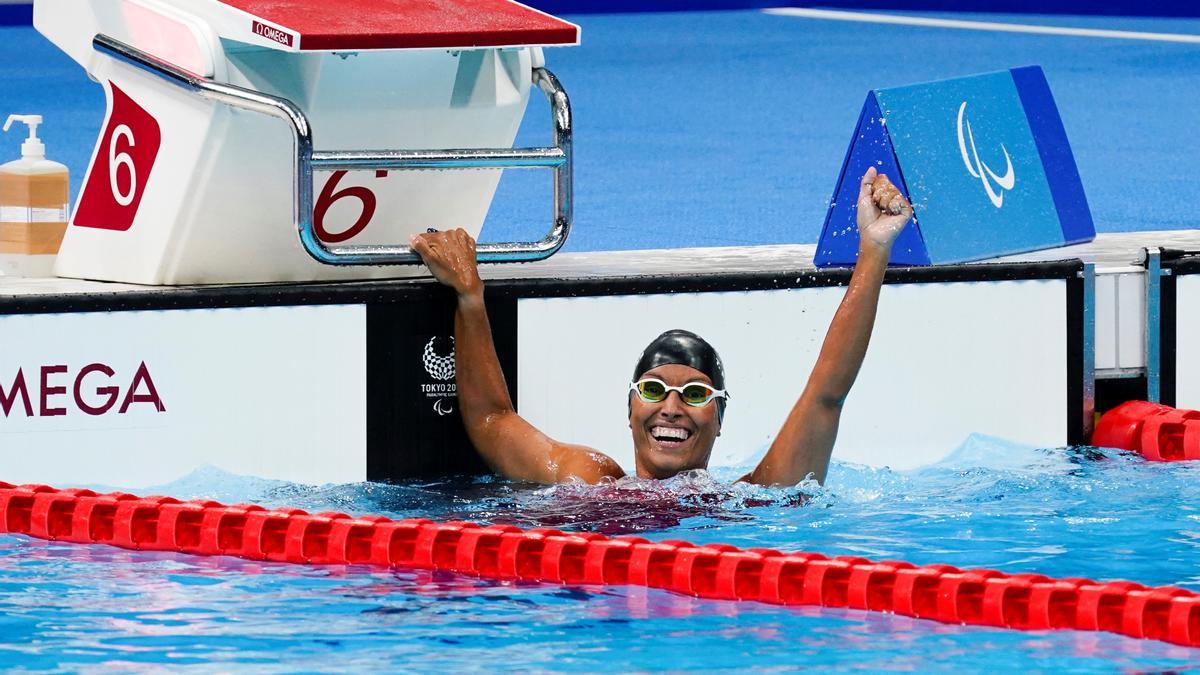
<point>984,160</point>
<point>124,158</point>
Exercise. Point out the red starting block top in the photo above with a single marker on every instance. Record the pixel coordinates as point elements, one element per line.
<point>402,24</point>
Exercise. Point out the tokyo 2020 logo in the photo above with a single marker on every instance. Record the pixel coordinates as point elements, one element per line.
<point>438,366</point>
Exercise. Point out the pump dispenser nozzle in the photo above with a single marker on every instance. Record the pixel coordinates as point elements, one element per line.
<point>33,146</point>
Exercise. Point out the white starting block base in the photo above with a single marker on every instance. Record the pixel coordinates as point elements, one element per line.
<point>217,206</point>
<point>195,181</point>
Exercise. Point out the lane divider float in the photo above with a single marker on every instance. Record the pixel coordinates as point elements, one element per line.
<point>1157,432</point>
<point>979,597</point>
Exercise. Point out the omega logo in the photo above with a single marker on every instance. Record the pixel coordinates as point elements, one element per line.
<point>91,389</point>
<point>271,33</point>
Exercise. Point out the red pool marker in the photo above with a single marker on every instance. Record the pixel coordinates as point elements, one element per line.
<point>1158,432</point>
<point>942,593</point>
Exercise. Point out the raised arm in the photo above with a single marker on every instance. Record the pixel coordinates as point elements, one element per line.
<point>805,442</point>
<point>511,446</point>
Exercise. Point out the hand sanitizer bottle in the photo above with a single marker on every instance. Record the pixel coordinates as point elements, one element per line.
<point>33,206</point>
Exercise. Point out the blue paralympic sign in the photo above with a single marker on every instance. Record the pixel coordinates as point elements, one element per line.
<point>984,160</point>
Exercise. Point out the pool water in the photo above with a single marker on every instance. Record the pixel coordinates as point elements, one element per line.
<point>1061,512</point>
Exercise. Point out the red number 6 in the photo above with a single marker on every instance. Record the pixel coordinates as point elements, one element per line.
<point>329,196</point>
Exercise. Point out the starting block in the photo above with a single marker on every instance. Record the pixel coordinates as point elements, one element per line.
<point>214,162</point>
<point>984,160</point>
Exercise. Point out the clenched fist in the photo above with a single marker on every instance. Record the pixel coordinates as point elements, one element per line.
<point>882,210</point>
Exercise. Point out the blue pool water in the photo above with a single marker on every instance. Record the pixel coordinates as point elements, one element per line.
<point>1060,512</point>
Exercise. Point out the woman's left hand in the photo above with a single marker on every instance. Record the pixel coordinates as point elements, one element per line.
<point>882,210</point>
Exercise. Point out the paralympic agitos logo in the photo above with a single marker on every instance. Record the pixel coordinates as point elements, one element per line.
<point>59,390</point>
<point>978,168</point>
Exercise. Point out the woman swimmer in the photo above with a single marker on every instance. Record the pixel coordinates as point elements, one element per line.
<point>676,433</point>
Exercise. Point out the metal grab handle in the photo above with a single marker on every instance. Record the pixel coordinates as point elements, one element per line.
<point>556,158</point>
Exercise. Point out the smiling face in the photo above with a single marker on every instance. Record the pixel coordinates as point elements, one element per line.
<point>671,436</point>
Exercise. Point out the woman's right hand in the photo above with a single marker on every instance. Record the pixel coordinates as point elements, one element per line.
<point>450,256</point>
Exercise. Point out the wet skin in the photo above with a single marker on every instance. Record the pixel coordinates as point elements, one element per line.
<point>666,456</point>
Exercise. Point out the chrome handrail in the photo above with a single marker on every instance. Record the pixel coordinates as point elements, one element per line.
<point>557,158</point>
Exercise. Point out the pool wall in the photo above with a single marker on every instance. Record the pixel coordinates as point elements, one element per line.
<point>946,360</point>
<point>147,396</point>
<point>346,382</point>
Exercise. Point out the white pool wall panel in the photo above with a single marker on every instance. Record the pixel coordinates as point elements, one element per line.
<point>946,360</point>
<point>1187,342</point>
<point>1131,348</point>
<point>275,392</point>
<point>1120,321</point>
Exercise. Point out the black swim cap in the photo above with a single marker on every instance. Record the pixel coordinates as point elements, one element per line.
<point>684,348</point>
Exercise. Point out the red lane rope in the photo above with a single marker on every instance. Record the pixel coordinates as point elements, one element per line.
<point>943,593</point>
